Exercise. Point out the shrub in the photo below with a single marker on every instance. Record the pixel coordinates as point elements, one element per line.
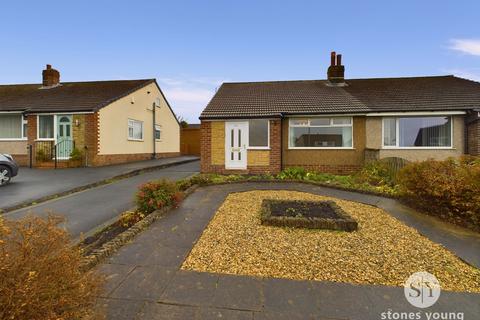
<point>40,272</point>
<point>295,173</point>
<point>157,194</point>
<point>76,155</point>
<point>377,173</point>
<point>449,189</point>
<point>129,218</point>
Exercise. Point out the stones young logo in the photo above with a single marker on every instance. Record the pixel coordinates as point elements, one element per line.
<point>422,289</point>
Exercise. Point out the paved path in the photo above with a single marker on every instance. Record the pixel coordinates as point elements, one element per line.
<point>87,210</point>
<point>145,280</point>
<point>33,184</point>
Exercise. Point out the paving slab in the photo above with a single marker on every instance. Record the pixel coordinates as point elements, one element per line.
<point>239,292</point>
<point>115,274</point>
<point>120,309</point>
<point>144,283</point>
<point>191,288</point>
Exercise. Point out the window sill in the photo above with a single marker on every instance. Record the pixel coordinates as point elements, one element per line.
<point>258,148</point>
<point>418,148</point>
<point>45,139</point>
<point>321,148</point>
<point>13,139</point>
<point>135,140</point>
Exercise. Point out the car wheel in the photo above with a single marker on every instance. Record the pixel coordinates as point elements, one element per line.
<point>5,175</point>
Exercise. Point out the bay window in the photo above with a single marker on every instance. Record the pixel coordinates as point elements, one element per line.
<point>258,135</point>
<point>46,127</point>
<point>333,132</point>
<point>417,132</point>
<point>12,126</point>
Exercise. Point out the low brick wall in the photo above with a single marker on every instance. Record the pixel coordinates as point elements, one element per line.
<point>108,159</point>
<point>333,169</point>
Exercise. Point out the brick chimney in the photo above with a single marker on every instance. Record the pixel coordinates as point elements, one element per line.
<point>51,77</point>
<point>336,71</point>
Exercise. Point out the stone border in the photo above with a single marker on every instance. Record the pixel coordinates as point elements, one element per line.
<point>125,175</point>
<point>113,245</point>
<point>343,223</point>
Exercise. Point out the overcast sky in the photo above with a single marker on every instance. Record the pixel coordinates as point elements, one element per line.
<point>191,47</point>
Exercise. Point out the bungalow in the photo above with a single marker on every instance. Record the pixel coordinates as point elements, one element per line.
<point>338,124</point>
<point>95,123</point>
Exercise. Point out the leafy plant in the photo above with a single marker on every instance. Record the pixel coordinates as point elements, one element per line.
<point>157,194</point>
<point>42,155</point>
<point>449,189</point>
<point>294,173</point>
<point>76,155</point>
<point>129,218</point>
<point>40,272</point>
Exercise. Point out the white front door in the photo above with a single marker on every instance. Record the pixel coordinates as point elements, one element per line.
<point>236,145</point>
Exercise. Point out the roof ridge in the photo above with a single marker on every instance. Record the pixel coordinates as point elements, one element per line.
<point>69,82</point>
<point>347,79</point>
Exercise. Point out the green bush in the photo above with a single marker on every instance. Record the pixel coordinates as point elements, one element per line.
<point>76,155</point>
<point>158,194</point>
<point>377,173</point>
<point>449,189</point>
<point>294,173</point>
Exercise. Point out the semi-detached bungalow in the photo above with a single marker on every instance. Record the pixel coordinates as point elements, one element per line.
<point>338,124</point>
<point>96,123</point>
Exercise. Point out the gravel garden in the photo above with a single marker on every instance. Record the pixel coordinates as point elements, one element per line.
<point>383,251</point>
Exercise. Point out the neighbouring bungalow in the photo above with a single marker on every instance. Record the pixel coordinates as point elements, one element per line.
<point>94,123</point>
<point>337,125</point>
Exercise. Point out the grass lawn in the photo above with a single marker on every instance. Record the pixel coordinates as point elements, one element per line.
<point>382,251</point>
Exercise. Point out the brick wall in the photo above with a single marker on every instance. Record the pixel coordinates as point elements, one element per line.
<point>473,138</point>
<point>212,151</point>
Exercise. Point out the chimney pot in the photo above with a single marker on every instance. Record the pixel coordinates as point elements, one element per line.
<point>332,58</point>
<point>49,66</point>
<point>339,60</point>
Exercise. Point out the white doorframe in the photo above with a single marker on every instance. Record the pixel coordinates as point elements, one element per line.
<point>236,135</point>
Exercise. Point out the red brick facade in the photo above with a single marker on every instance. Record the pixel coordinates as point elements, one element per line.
<point>473,138</point>
<point>275,160</point>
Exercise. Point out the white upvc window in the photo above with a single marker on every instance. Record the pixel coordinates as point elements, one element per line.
<point>46,127</point>
<point>420,132</point>
<point>158,132</point>
<point>258,134</point>
<point>321,133</point>
<point>12,127</point>
<point>135,130</point>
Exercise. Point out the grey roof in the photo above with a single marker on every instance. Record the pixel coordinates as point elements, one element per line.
<point>274,99</point>
<point>69,96</point>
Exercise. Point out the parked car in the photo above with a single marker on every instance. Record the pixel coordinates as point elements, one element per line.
<point>8,168</point>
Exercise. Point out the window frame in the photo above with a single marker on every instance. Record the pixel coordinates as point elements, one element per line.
<point>331,125</point>
<point>267,147</point>
<point>23,137</point>
<point>54,127</point>
<point>128,130</point>
<point>159,129</point>
<point>397,133</point>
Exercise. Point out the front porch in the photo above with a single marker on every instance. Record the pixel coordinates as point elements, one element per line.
<point>57,140</point>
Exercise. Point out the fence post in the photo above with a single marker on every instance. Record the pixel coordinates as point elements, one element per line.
<point>55,151</point>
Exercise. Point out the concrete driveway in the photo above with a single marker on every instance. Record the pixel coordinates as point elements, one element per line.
<point>88,210</point>
<point>33,184</point>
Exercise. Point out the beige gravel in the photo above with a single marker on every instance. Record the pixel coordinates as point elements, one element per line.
<point>383,251</point>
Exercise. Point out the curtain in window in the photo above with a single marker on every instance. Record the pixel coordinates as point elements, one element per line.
<point>11,126</point>
<point>258,133</point>
<point>45,127</point>
<point>425,132</point>
<point>389,132</point>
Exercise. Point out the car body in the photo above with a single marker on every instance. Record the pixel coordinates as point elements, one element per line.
<point>8,169</point>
